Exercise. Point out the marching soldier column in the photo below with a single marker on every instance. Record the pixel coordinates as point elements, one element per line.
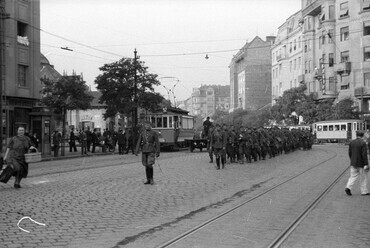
<point>253,144</point>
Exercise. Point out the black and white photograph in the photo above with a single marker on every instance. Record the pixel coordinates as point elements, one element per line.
<point>184,123</point>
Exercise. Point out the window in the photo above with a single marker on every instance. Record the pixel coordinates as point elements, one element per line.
<point>309,66</point>
<point>330,36</point>
<point>367,79</point>
<point>159,122</point>
<point>323,37</point>
<point>295,45</point>
<point>325,128</point>
<point>305,67</point>
<point>331,12</point>
<point>344,56</point>
<point>22,75</point>
<point>343,127</point>
<point>165,122</point>
<point>290,46</point>
<point>367,28</point>
<point>299,63</point>
<point>170,122</point>
<point>22,34</point>
<point>344,33</point>
<point>331,128</point>
<point>366,53</point>
<point>331,59</point>
<point>322,17</point>
<point>336,127</point>
<point>365,4</point>
<point>343,11</point>
<point>319,128</point>
<point>331,84</point>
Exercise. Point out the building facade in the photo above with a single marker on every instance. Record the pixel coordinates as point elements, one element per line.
<point>287,57</point>
<point>20,63</point>
<point>206,99</point>
<point>336,36</point>
<point>250,75</point>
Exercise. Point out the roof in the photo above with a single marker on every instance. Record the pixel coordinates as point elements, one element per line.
<point>337,121</point>
<point>174,110</point>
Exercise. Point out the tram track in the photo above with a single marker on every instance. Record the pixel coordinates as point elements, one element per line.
<point>287,231</point>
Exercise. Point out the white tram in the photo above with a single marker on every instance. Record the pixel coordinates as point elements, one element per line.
<point>337,130</point>
<point>173,125</point>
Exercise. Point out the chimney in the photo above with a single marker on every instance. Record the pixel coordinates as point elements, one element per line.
<point>270,39</point>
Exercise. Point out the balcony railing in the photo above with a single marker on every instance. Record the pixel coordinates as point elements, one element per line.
<point>343,68</point>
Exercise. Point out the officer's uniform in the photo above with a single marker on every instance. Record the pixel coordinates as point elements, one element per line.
<point>218,142</point>
<point>150,149</point>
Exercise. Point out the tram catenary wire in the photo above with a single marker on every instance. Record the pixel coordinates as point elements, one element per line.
<point>215,218</point>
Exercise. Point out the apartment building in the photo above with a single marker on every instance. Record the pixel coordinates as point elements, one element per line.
<point>205,100</point>
<point>250,75</point>
<point>20,47</point>
<point>336,40</point>
<point>287,57</point>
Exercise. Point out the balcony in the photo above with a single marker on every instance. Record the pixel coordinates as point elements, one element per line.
<point>280,57</point>
<point>301,78</point>
<point>362,91</point>
<point>313,8</point>
<point>343,68</point>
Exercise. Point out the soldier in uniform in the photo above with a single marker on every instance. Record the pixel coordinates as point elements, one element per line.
<point>149,141</point>
<point>218,142</point>
<point>231,144</point>
<point>209,146</point>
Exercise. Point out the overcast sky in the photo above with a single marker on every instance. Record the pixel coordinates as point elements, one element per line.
<point>103,31</point>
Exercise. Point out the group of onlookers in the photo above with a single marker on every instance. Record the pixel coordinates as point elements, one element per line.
<point>89,141</point>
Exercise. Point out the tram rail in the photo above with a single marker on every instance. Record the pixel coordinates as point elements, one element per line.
<point>280,238</point>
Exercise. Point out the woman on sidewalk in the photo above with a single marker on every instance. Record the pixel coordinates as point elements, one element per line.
<point>14,155</point>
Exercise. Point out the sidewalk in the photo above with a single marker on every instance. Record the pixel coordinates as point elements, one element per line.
<point>69,155</point>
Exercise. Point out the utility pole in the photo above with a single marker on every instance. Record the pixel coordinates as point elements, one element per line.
<point>134,114</point>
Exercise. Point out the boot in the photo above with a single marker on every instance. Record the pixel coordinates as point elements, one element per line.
<point>218,163</point>
<point>151,181</point>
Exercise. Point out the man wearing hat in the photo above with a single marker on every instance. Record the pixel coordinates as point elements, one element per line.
<point>149,142</point>
<point>357,152</point>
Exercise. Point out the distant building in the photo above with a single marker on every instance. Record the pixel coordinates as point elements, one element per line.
<point>206,99</point>
<point>47,70</point>
<point>250,75</point>
<point>287,57</point>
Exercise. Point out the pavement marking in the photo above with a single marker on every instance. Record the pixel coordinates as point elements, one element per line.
<point>41,181</point>
<point>26,217</point>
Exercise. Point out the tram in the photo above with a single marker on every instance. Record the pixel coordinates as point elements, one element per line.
<point>173,125</point>
<point>341,131</point>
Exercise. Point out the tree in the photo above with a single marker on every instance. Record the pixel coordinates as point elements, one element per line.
<point>345,109</point>
<point>67,93</point>
<point>126,85</point>
<point>290,102</point>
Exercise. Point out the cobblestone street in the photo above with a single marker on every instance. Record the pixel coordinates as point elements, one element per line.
<point>102,201</point>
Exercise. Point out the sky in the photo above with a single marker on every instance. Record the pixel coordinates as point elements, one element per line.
<point>172,37</point>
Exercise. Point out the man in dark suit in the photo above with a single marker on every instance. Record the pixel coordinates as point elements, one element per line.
<point>149,141</point>
<point>357,152</point>
<point>57,138</point>
<point>72,141</point>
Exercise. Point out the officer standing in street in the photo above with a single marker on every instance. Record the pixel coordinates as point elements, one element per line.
<point>149,142</point>
<point>209,145</point>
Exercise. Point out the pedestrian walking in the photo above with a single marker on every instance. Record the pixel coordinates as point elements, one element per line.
<point>357,152</point>
<point>72,141</point>
<point>95,140</point>
<point>206,125</point>
<point>129,141</point>
<point>15,155</point>
<point>121,139</point>
<point>57,138</point>
<point>149,142</point>
<point>83,142</point>
<point>88,139</point>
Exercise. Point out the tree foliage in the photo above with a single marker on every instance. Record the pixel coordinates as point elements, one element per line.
<point>121,93</point>
<point>67,93</point>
